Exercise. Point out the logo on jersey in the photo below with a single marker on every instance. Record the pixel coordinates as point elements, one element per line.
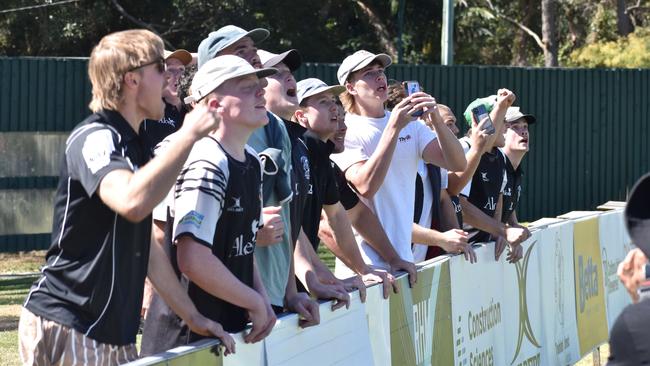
<point>192,218</point>
<point>241,246</point>
<point>167,121</point>
<point>507,192</point>
<point>491,204</point>
<point>404,139</point>
<point>305,167</point>
<point>97,150</point>
<point>485,177</point>
<point>236,207</point>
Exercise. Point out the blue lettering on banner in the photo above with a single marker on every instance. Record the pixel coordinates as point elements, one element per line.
<point>588,280</point>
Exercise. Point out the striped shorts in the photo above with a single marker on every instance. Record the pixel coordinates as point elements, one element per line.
<point>44,342</point>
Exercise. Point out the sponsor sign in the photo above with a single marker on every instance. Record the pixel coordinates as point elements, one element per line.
<point>613,250</point>
<point>341,338</point>
<point>477,309</point>
<point>559,336</point>
<point>412,315</point>
<point>521,306</point>
<point>588,277</point>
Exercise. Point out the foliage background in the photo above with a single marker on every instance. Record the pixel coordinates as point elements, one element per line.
<point>589,33</point>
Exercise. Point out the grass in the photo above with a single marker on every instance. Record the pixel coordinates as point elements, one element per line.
<point>22,262</point>
<point>14,289</point>
<point>12,294</point>
<point>326,256</point>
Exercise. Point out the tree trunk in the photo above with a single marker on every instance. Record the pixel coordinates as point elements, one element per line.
<point>624,24</point>
<point>380,28</point>
<point>520,42</point>
<point>549,32</point>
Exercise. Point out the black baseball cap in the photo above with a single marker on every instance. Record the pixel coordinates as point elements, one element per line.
<point>637,214</point>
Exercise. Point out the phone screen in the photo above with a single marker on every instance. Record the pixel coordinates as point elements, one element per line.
<point>481,113</point>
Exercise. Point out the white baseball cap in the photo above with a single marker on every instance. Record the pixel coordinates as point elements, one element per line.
<point>219,70</point>
<point>312,86</point>
<point>290,58</point>
<point>358,61</point>
<point>513,114</point>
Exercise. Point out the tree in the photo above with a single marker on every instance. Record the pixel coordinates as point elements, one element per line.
<point>549,38</point>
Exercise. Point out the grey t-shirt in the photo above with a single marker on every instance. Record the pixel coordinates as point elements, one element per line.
<point>273,261</point>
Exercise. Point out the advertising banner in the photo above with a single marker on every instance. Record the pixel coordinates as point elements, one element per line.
<point>412,318</point>
<point>341,338</point>
<point>521,306</point>
<point>477,309</point>
<point>613,250</point>
<point>590,293</point>
<point>559,329</point>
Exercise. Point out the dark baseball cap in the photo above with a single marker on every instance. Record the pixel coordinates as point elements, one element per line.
<point>637,214</point>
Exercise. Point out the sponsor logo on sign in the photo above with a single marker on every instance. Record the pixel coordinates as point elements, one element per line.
<point>525,328</point>
<point>589,299</point>
<point>588,280</point>
<point>422,334</point>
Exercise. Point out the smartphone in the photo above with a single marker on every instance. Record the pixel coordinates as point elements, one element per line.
<point>413,87</point>
<point>481,113</point>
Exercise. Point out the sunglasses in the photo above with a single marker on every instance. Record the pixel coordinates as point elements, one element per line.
<point>160,65</point>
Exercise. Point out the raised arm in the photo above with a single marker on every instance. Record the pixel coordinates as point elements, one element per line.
<point>134,195</point>
<point>445,151</point>
<point>367,176</point>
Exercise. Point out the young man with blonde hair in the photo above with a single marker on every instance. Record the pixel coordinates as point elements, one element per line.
<point>382,148</point>
<point>85,307</point>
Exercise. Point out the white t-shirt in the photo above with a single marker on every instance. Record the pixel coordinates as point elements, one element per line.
<point>394,202</point>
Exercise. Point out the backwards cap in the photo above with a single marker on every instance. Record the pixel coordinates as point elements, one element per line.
<point>488,102</point>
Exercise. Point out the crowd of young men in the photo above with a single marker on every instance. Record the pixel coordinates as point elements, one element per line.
<point>220,194</point>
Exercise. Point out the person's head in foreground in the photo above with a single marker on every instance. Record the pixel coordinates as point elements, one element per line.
<point>128,68</point>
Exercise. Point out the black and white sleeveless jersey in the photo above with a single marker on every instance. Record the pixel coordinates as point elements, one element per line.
<point>97,262</point>
<point>512,190</point>
<point>218,202</point>
<point>485,187</point>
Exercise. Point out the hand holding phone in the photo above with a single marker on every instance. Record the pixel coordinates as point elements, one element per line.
<point>413,87</point>
<point>480,114</point>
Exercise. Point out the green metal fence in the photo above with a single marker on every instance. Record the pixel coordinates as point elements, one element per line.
<point>589,146</point>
